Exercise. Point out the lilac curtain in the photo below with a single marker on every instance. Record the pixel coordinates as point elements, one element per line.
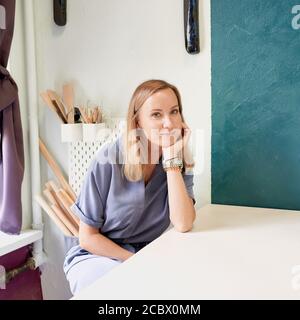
<point>11,138</point>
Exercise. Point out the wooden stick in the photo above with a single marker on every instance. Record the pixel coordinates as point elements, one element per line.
<point>53,189</point>
<point>99,115</point>
<point>69,224</point>
<point>52,215</point>
<point>64,217</point>
<point>59,112</point>
<point>54,96</point>
<point>83,115</point>
<point>50,104</point>
<point>49,196</point>
<point>56,170</point>
<point>68,98</point>
<point>67,204</point>
<point>67,197</point>
<point>88,114</point>
<point>95,115</point>
<point>53,198</point>
<point>52,186</point>
<point>64,202</point>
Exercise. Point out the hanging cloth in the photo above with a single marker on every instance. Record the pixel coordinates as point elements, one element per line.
<point>11,136</point>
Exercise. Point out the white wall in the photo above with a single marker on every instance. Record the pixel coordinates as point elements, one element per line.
<point>107,48</point>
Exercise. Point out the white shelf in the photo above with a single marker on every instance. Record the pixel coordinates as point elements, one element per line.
<point>9,243</point>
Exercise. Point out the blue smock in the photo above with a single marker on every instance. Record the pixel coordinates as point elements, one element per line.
<point>129,213</point>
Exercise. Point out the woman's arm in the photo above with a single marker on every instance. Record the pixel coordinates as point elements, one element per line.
<point>182,211</point>
<point>91,240</point>
<point>181,206</point>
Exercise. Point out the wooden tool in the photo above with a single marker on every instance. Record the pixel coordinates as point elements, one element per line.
<point>60,212</point>
<point>63,200</point>
<point>69,224</point>
<point>62,196</point>
<point>52,190</point>
<point>60,201</point>
<point>54,96</point>
<point>56,170</point>
<point>58,111</point>
<point>99,115</point>
<point>68,98</point>
<point>61,206</point>
<point>95,115</point>
<point>68,198</point>
<point>83,115</point>
<point>52,215</point>
<point>49,196</point>
<point>52,186</point>
<point>52,106</point>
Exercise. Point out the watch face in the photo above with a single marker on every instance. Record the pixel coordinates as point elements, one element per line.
<point>176,162</point>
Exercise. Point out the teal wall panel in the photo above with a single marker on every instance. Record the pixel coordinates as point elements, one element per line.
<point>255,103</point>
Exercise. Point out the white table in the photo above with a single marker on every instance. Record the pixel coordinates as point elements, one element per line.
<point>231,253</point>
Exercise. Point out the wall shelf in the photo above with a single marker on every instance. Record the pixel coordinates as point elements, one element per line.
<point>9,243</point>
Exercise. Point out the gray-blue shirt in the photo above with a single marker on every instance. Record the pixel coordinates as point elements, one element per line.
<point>124,211</point>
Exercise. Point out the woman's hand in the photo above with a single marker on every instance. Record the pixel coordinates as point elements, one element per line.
<point>178,148</point>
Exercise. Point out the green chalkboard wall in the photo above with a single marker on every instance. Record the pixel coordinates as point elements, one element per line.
<point>255,103</point>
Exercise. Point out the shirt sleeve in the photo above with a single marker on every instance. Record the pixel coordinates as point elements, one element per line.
<point>90,204</point>
<point>189,184</point>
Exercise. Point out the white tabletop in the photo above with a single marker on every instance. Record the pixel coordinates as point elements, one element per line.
<point>231,253</point>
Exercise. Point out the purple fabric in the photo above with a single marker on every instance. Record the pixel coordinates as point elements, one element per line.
<point>11,136</point>
<point>27,284</point>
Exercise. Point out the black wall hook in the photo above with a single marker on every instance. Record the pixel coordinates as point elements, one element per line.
<point>60,12</point>
<point>191,26</point>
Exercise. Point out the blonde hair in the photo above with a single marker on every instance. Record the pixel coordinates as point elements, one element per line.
<point>133,168</point>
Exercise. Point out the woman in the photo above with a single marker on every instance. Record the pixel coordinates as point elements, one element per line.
<point>134,187</point>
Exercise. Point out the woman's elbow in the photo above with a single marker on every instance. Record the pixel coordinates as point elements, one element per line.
<point>82,242</point>
<point>183,228</point>
<point>86,234</point>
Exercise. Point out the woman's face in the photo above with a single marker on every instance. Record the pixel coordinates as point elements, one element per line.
<point>160,119</point>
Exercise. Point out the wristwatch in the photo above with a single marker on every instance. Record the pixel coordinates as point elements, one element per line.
<point>174,163</point>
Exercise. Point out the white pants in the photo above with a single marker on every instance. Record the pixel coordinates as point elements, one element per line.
<point>88,268</point>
